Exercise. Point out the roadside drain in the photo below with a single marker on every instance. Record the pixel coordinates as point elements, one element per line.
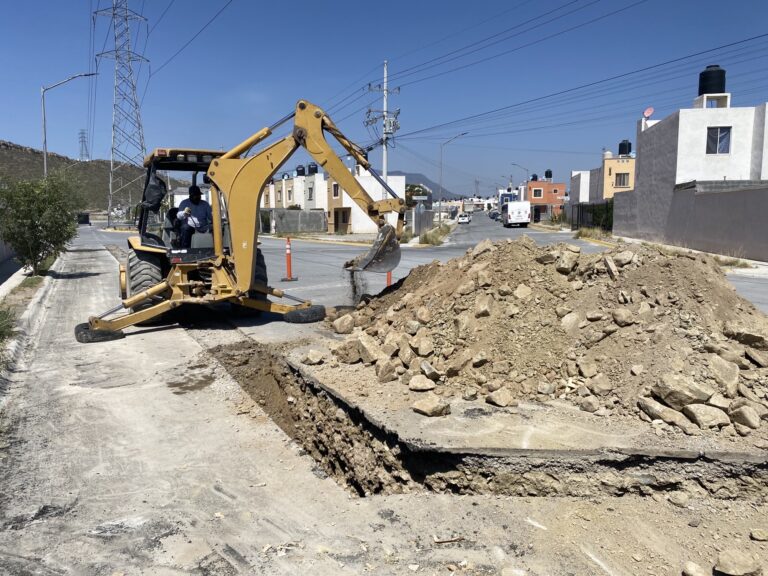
<point>369,459</point>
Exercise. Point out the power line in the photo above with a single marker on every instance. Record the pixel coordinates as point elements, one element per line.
<point>583,86</point>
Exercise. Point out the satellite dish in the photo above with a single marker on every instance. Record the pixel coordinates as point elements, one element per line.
<point>648,112</point>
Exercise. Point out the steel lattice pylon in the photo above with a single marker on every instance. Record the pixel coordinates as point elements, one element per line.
<point>83,137</point>
<point>128,149</point>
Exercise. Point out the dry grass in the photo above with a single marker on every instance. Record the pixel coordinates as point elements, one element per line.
<point>435,236</point>
<point>596,233</point>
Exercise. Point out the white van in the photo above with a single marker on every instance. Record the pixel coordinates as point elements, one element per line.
<point>516,213</point>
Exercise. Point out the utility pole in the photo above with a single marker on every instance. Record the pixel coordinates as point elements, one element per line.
<point>477,188</point>
<point>83,137</point>
<point>128,148</point>
<point>389,122</point>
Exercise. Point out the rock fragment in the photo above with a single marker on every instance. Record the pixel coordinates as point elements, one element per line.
<point>623,258</point>
<point>523,292</point>
<point>344,325</point>
<point>502,398</point>
<point>613,272</point>
<point>623,317</point>
<point>678,391</point>
<point>658,411</point>
<point>431,405</point>
<point>705,416</point>
<point>725,373</point>
<point>313,357</point>
<point>736,563</point>
<point>566,262</point>
<point>693,569</point>
<point>421,383</point>
<point>746,416</point>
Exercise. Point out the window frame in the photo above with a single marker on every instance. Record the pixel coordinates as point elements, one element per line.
<point>310,193</point>
<point>539,190</point>
<point>335,189</point>
<point>625,178</point>
<point>718,140</point>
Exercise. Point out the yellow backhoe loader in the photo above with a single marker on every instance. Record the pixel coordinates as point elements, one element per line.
<point>227,265</point>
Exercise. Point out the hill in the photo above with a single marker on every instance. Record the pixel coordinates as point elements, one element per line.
<point>23,163</point>
<point>416,178</point>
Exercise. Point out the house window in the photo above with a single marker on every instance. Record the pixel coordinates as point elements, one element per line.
<point>310,193</point>
<point>335,190</point>
<point>279,195</point>
<point>290,194</point>
<point>538,193</point>
<point>622,179</point>
<point>719,140</point>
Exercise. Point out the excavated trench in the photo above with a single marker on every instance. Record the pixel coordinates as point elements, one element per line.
<point>370,459</point>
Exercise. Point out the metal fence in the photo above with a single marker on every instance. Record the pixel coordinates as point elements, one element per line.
<point>597,215</point>
<point>420,220</point>
<point>283,221</point>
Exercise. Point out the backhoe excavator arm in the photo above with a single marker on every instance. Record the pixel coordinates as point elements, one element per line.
<point>241,182</point>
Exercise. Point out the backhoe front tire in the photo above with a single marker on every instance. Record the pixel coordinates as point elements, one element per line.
<point>143,271</point>
<point>314,313</point>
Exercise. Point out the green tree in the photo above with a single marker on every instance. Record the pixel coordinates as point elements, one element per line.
<point>412,190</point>
<point>38,218</point>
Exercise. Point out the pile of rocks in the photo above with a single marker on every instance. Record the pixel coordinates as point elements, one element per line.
<point>629,332</point>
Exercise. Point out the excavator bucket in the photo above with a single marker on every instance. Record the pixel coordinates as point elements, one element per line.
<point>384,255</point>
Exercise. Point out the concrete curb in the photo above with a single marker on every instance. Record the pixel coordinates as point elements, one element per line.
<point>28,322</point>
<point>12,282</point>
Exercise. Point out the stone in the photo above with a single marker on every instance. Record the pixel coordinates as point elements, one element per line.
<point>623,317</point>
<point>725,373</point>
<point>577,285</point>
<point>465,325</point>
<point>369,349</point>
<point>457,363</point>
<point>566,262</point>
<point>758,358</point>
<point>610,266</point>
<point>562,311</point>
<point>747,393</point>
<point>548,257</point>
<point>742,430</point>
<point>482,248</point>
<point>423,346</point>
<point>736,563</point>
<point>589,404</point>
<point>693,569</point>
<point>429,371</point>
<point>505,290</point>
<point>431,405</point>
<point>643,308</point>
<point>746,336</point>
<point>746,416</point>
<point>571,369</point>
<point>523,292</point>
<point>760,409</point>
<point>678,391</point>
<point>469,394</point>
<point>344,325</point>
<point>587,368</point>
<point>512,311</point>
<point>484,278</point>
<point>494,385</point>
<point>594,315</point>
<point>501,397</point>
<point>636,369</point>
<point>546,387</point>
<point>658,411</point>
<point>719,401</point>
<point>600,385</point>
<point>759,535</point>
<point>423,315</point>
<point>313,357</point>
<point>573,248</point>
<point>705,416</point>
<point>466,288</point>
<point>679,499</point>
<point>386,369</point>
<point>421,383</point>
<point>348,352</point>
<point>483,306</point>
<point>406,354</point>
<point>480,359</point>
<point>623,258</point>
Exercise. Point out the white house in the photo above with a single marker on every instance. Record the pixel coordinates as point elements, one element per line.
<point>700,178</point>
<point>345,216</point>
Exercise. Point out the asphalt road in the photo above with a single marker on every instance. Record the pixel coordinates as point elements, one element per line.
<point>318,265</point>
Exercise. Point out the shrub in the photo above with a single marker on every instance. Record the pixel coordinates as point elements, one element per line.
<point>38,218</point>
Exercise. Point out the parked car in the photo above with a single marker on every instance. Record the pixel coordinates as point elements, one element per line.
<point>464,218</point>
<point>493,214</point>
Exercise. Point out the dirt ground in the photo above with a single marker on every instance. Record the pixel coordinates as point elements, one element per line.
<point>200,451</point>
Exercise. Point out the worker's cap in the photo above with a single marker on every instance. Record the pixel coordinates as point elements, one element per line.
<point>195,191</point>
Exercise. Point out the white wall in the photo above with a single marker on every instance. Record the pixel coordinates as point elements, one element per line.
<point>695,164</point>
<point>360,223</point>
<point>579,186</point>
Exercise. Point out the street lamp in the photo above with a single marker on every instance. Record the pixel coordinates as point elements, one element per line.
<point>43,90</point>
<point>440,198</point>
<point>526,176</point>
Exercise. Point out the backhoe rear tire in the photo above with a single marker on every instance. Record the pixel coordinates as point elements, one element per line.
<point>314,313</point>
<point>143,271</point>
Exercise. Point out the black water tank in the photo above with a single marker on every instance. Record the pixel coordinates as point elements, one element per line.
<point>625,148</point>
<point>548,174</point>
<point>300,170</point>
<point>311,168</point>
<point>534,177</point>
<point>712,80</point>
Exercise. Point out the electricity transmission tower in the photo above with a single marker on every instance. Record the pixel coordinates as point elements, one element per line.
<point>128,149</point>
<point>84,155</point>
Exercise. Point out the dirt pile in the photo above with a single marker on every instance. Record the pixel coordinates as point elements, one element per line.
<point>634,332</point>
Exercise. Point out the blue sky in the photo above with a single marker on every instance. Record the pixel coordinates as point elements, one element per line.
<point>452,60</point>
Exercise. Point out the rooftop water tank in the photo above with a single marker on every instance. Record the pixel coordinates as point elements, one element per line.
<point>311,168</point>
<point>548,174</point>
<point>300,170</point>
<point>712,80</point>
<point>534,177</point>
<point>625,148</point>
